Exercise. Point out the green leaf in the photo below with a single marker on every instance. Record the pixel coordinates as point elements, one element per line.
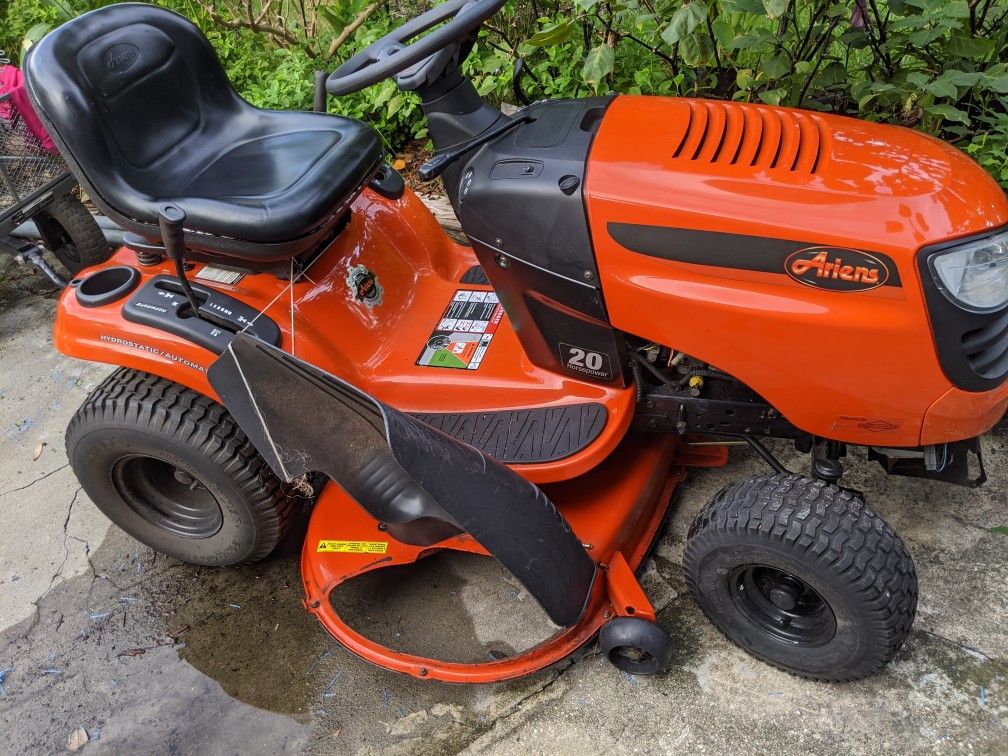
<point>697,49</point>
<point>598,64</point>
<point>758,38</point>
<point>584,5</point>
<point>997,84</point>
<point>776,66</point>
<point>918,79</point>
<point>553,35</point>
<point>331,16</point>
<point>775,8</point>
<point>34,34</point>
<point>969,47</point>
<point>854,38</point>
<point>395,105</point>
<point>925,36</point>
<point>724,33</point>
<point>943,88</point>
<point>753,7</point>
<point>948,113</point>
<point>1000,530</point>
<point>832,73</point>
<point>684,21</point>
<point>744,79</point>
<point>773,96</point>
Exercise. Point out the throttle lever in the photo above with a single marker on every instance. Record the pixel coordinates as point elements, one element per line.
<point>434,167</point>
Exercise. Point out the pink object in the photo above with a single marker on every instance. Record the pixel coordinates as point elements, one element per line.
<point>12,80</point>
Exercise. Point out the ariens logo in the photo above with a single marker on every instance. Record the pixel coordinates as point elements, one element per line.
<point>121,58</point>
<point>836,269</point>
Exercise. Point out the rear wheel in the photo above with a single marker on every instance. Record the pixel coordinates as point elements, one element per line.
<point>72,233</point>
<point>803,575</point>
<point>171,468</point>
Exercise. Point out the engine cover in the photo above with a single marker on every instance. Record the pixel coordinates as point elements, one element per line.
<point>781,246</point>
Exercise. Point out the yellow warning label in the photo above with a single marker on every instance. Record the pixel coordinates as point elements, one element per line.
<point>354,547</point>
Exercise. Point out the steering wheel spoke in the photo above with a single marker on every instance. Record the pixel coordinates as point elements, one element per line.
<point>404,47</point>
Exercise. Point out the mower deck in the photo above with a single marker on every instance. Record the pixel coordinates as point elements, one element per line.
<point>616,510</point>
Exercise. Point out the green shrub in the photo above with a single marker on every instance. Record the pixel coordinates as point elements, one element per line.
<point>934,65</point>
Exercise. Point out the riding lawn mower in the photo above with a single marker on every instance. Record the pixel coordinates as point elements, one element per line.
<point>643,276</point>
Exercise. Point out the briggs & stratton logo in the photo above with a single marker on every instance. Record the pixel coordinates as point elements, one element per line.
<point>836,269</point>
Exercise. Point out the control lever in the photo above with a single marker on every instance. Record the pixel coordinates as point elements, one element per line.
<point>437,164</point>
<point>171,219</point>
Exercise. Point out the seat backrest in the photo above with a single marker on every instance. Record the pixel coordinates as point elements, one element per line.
<point>127,87</point>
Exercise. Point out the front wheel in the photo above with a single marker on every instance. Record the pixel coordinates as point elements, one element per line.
<point>802,574</point>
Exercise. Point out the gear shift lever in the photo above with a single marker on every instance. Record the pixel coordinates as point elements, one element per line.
<point>171,219</point>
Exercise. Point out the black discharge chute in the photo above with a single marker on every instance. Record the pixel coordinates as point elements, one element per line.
<point>424,485</point>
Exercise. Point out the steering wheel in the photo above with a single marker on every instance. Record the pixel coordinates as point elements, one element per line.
<point>394,53</point>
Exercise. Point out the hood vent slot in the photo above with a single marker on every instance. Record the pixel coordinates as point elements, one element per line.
<point>751,136</point>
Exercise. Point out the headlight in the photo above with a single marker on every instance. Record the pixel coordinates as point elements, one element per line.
<point>975,275</point>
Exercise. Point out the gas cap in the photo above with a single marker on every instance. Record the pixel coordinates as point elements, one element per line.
<point>569,184</point>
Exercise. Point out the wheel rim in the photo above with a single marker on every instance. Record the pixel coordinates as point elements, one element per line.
<point>781,605</point>
<point>633,659</point>
<point>168,496</point>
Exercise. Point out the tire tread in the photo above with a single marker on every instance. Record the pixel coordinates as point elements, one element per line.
<point>140,399</point>
<point>832,527</point>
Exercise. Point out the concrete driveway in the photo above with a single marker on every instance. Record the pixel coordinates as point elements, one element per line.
<point>145,654</point>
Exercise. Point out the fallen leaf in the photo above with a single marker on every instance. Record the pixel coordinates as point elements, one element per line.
<point>337,731</point>
<point>77,740</point>
<point>38,451</point>
<point>133,652</point>
<point>399,165</point>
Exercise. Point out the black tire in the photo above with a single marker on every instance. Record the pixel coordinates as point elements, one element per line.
<point>635,645</point>
<point>803,575</point>
<point>172,468</point>
<point>71,232</point>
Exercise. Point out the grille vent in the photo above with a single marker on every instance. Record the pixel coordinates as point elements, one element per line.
<point>726,133</point>
<point>986,349</point>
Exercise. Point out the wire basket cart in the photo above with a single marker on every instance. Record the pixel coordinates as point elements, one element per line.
<point>30,177</point>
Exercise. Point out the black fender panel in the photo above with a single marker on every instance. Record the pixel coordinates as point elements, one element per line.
<point>425,485</point>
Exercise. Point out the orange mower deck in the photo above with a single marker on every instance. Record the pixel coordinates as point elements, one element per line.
<point>616,510</point>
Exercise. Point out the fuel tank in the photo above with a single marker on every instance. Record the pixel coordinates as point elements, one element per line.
<point>782,246</point>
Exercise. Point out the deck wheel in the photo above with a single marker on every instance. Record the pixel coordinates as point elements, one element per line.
<point>636,645</point>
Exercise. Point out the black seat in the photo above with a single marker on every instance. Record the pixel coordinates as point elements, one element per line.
<point>139,104</point>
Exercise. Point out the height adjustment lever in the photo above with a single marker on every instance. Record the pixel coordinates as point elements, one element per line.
<point>171,220</point>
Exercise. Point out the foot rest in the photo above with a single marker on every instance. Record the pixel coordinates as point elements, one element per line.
<point>542,434</point>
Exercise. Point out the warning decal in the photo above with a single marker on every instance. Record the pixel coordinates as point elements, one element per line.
<point>463,336</point>
<point>354,547</point>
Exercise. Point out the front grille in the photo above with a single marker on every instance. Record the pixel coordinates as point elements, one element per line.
<point>972,347</point>
<point>751,136</point>
<point>986,348</point>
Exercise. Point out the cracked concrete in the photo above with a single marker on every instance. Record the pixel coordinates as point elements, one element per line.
<point>151,655</point>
